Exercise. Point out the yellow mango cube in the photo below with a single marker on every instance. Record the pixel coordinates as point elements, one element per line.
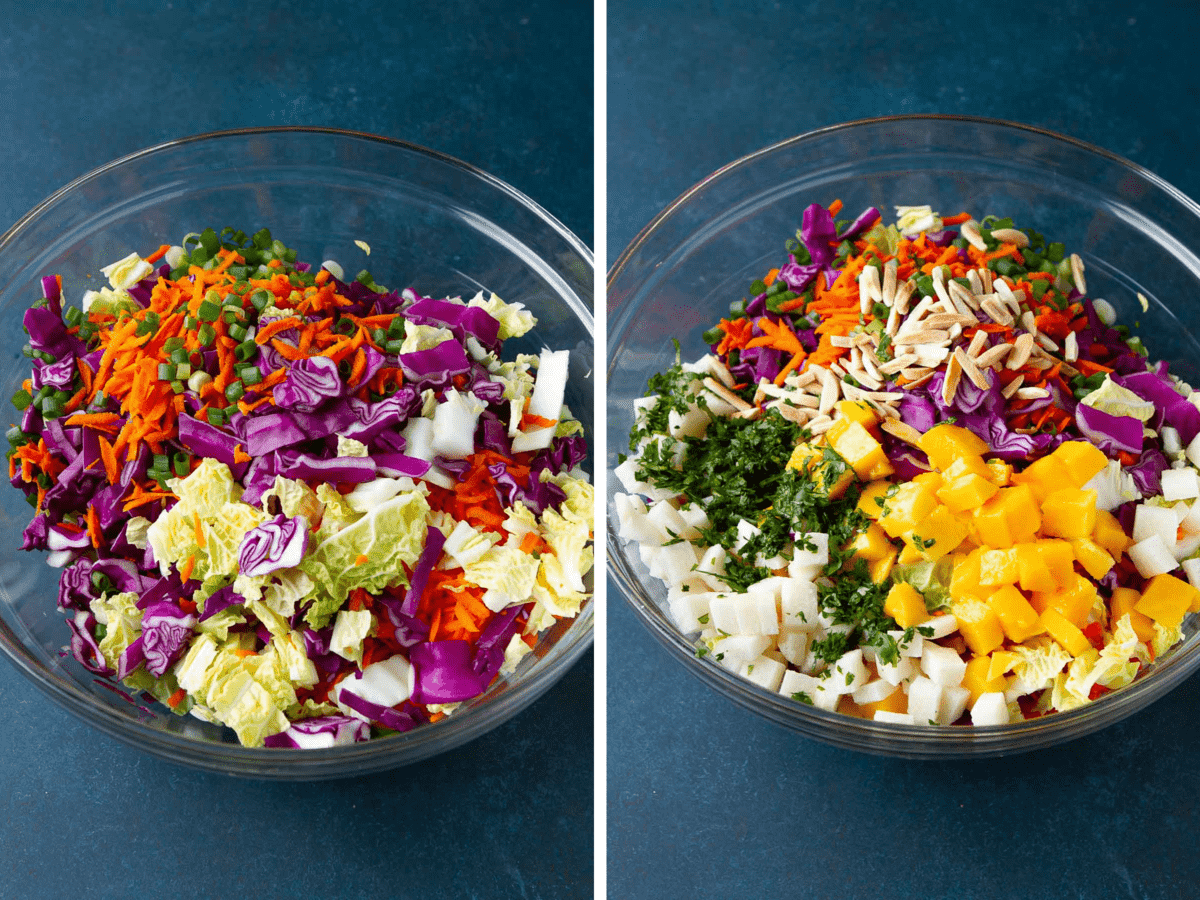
<point>1044,476</point>
<point>931,480</point>
<point>859,448</point>
<point>880,569</point>
<point>1166,599</point>
<point>1002,472</point>
<point>1082,460</point>
<point>1122,603</point>
<point>967,465</point>
<point>1065,632</point>
<point>809,459</point>
<point>937,534</point>
<point>997,567</point>
<point>966,492</point>
<point>909,504</point>
<point>1059,558</point>
<point>857,411</point>
<point>945,443</point>
<point>909,555</point>
<point>906,605</point>
<point>964,577</point>
<point>978,624</point>
<point>1018,619</point>
<point>1109,534</point>
<point>976,679</point>
<point>1074,602</point>
<point>1095,560</point>
<point>1069,513</point>
<point>896,701</point>
<point>1010,517</point>
<point>1000,662</point>
<point>872,499</point>
<point>1033,569</point>
<point>871,544</point>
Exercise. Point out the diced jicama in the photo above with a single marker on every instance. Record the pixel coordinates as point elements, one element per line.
<point>687,609</point>
<point>1170,440</point>
<point>665,517</point>
<point>1153,557</point>
<point>764,671</point>
<point>454,422</point>
<point>695,517</point>
<point>897,672</point>
<point>826,696</point>
<point>546,401</point>
<point>924,700</point>
<point>913,647</point>
<point>893,718</point>
<point>676,562</point>
<point>874,692</point>
<point>1193,449</point>
<point>757,613</point>
<point>736,649</point>
<point>1155,520</point>
<point>692,423</point>
<point>940,626</point>
<point>806,563</point>
<point>793,644</point>
<point>990,709</point>
<point>631,518</point>
<point>954,704</point>
<point>943,665</point>
<point>712,566</point>
<point>849,672</point>
<point>798,685</point>
<point>1191,568</point>
<point>798,604</point>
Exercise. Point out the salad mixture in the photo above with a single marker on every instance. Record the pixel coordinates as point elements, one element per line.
<point>922,477</point>
<point>315,511</point>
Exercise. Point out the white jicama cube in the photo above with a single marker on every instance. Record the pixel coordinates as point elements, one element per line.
<point>692,423</point>
<point>795,683</point>
<point>897,672</point>
<point>1191,568</point>
<point>771,586</point>
<point>943,665</point>
<point>764,671</point>
<point>551,384</point>
<point>804,556</point>
<point>687,609</point>
<point>849,672</point>
<point>1153,556</point>
<point>793,644</point>
<point>1193,448</point>
<point>649,554</point>
<point>941,626</point>
<point>454,422</point>
<point>798,604</point>
<point>631,516</point>
<point>924,701</point>
<point>696,518</point>
<point>826,696</point>
<point>954,704</point>
<point>677,562</point>
<point>990,709</point>
<point>913,648</point>
<point>665,517</point>
<point>734,651</point>
<point>626,473</point>
<point>757,614</point>
<point>723,614</point>
<point>882,715</point>
<point>1155,520</point>
<point>873,692</point>
<point>712,566</point>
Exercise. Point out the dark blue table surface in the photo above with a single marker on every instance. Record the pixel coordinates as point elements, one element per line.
<point>708,800</point>
<point>506,87</point>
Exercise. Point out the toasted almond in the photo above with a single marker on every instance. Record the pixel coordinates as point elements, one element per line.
<point>841,340</point>
<point>1022,348</point>
<point>1045,341</point>
<point>993,356</point>
<point>819,425</point>
<point>796,414</point>
<point>901,431</point>
<point>978,378</point>
<point>1077,273</point>
<point>1011,236</point>
<point>1012,387</point>
<point>868,288</point>
<point>953,377</point>
<point>963,299</point>
<point>829,394</point>
<point>1032,393</point>
<point>924,305</point>
<point>727,395</point>
<point>945,320</point>
<point>985,277</point>
<point>976,282</point>
<point>752,413</point>
<point>888,291</point>
<point>894,365</point>
<point>893,320</point>
<point>1029,323</point>
<point>918,378</point>
<point>932,356</point>
<point>884,396</point>
<point>923,336</point>
<point>996,311</point>
<point>803,379</point>
<point>801,399</point>
<point>970,231</point>
<point>903,295</point>
<point>1071,347</point>
<point>871,365</point>
<point>718,369</point>
<point>977,344</point>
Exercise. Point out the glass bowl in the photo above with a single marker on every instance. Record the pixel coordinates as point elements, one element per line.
<point>1134,232</point>
<point>432,222</point>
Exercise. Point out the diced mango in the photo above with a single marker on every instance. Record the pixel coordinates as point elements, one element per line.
<point>1000,662</point>
<point>1017,617</point>
<point>978,624</point>
<point>1062,630</point>
<point>938,533</point>
<point>1044,476</point>
<point>1166,599</point>
<point>872,499</point>
<point>857,411</point>
<point>808,458</point>
<point>1001,471</point>
<point>896,701</point>
<point>1008,518</point>
<point>1074,602</point>
<point>859,448</point>
<point>1095,560</point>
<point>931,480</point>
<point>909,555</point>
<point>976,679</point>
<point>965,492</point>
<point>967,465</point>
<point>1122,603</point>
<point>871,544</point>
<point>964,577</point>
<point>1059,559</point>
<point>945,443</point>
<point>1082,460</point>
<point>906,605</point>
<point>1069,513</point>
<point>1109,534</point>
<point>997,567</point>
<point>908,505</point>
<point>1033,569</point>
<point>880,569</point>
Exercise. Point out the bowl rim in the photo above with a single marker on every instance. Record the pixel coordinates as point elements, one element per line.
<point>914,741</point>
<point>293,763</point>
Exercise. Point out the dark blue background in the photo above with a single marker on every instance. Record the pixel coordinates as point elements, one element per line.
<point>708,800</point>
<point>506,87</point>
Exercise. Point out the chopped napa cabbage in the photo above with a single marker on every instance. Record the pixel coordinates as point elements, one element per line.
<point>465,545</point>
<point>1113,486</point>
<point>108,302</point>
<point>350,447</point>
<point>507,574</point>
<point>931,579</point>
<point>1165,638</point>
<point>135,531</point>
<point>369,553</point>
<point>295,499</point>
<point>567,424</point>
<point>540,618</point>
<point>556,590</point>
<point>424,337</point>
<point>519,520</point>
<point>125,273</point>
<point>568,541</point>
<point>218,625</point>
<point>514,319</point>
<point>580,504</point>
<point>516,376</point>
<point>338,514</point>
<point>885,237</point>
<point>912,220</point>
<point>350,629</point>
<point>1039,663</point>
<point>122,620</point>
<point>1115,400</point>
<point>516,651</point>
<point>1064,693</point>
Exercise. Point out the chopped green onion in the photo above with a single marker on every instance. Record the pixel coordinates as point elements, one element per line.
<point>206,335</point>
<point>182,463</point>
<point>245,351</point>
<point>209,312</point>
<point>166,372</point>
<point>250,375</point>
<point>21,400</point>
<point>237,332</point>
<point>234,392</point>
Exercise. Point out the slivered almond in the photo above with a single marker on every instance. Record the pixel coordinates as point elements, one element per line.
<point>1071,347</point>
<point>793,413</point>
<point>963,298</point>
<point>805,378</point>
<point>977,343</point>
<point>993,356</point>
<point>1029,323</point>
<point>829,394</point>
<point>819,425</point>
<point>893,320</point>
<point>1032,393</point>
<point>901,431</point>
<point>1077,273</point>
<point>892,366</point>
<point>727,395</point>
<point>888,292</point>
<point>1045,341</point>
<point>801,399</point>
<point>953,377</point>
<point>945,320</point>
<point>917,380</point>
<point>997,312</point>
<point>970,231</point>
<point>903,295</point>
<point>1012,387</point>
<point>1022,348</point>
<point>976,282</point>
<point>923,336</point>
<point>752,413</point>
<point>868,288</point>
<point>1011,236</point>
<point>871,365</point>
<point>932,356</point>
<point>978,378</point>
<point>840,340</point>
<point>985,276</point>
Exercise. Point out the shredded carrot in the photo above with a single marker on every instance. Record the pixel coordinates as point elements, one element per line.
<point>158,254</point>
<point>835,207</point>
<point>93,527</point>
<point>185,571</point>
<point>361,559</point>
<point>176,698</point>
<point>956,219</point>
<point>198,526</point>
<point>268,331</point>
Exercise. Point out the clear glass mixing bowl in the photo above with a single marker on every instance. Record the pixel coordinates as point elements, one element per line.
<point>1134,232</point>
<point>432,222</point>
